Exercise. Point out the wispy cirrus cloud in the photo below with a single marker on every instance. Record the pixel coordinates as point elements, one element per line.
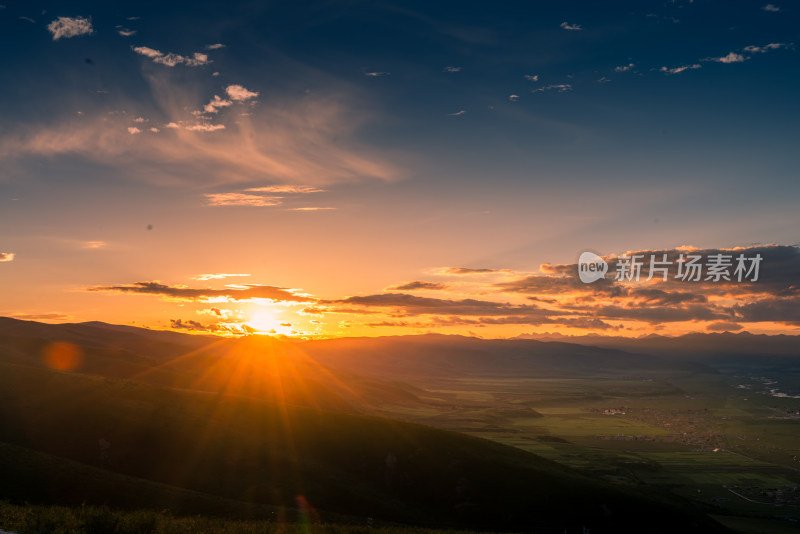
<point>572,27</point>
<point>195,127</point>
<point>247,198</point>
<point>451,68</point>
<point>171,59</point>
<point>466,271</point>
<point>67,27</point>
<point>678,70</point>
<point>752,49</point>
<point>287,141</point>
<point>558,87</point>
<point>287,188</point>
<point>218,276</point>
<point>215,46</point>
<point>734,56</point>
<point>241,199</point>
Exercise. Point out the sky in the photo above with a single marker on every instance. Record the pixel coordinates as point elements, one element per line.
<point>321,169</point>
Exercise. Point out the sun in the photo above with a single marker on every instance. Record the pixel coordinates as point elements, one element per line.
<point>264,321</point>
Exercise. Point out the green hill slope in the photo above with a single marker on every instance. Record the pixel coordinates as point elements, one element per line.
<point>250,451</point>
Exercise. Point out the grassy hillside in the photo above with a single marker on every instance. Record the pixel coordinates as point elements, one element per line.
<point>251,451</point>
<point>280,372</point>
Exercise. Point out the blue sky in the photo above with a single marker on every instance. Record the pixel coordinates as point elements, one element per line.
<point>500,135</point>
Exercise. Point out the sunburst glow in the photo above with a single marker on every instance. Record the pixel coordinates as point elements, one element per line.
<point>265,322</point>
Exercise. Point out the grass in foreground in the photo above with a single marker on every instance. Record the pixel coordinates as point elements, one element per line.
<point>34,519</point>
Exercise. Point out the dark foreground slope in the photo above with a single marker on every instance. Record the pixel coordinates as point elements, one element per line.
<point>201,449</point>
<point>282,372</point>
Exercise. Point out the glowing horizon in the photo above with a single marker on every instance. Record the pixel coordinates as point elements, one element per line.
<point>259,170</point>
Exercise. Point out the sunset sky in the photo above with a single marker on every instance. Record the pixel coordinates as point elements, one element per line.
<point>377,168</point>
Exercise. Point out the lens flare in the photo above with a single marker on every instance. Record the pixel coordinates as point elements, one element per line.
<point>63,356</point>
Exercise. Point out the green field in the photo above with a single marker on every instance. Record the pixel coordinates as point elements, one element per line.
<point>692,435</point>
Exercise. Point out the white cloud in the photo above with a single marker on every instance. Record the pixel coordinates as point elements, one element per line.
<point>125,32</point>
<point>154,130</point>
<point>215,73</point>
<point>139,119</point>
<point>299,189</point>
<point>560,87</point>
<point>216,104</point>
<point>147,51</point>
<point>196,127</point>
<point>66,27</point>
<point>532,77</point>
<point>771,8</point>
<point>677,70</point>
<point>236,93</point>
<point>603,80</point>
<point>215,46</point>
<point>624,68</point>
<point>170,59</point>
<point>204,127</point>
<point>6,256</point>
<point>513,98</point>
<point>732,57</point>
<point>450,68</point>
<point>239,93</point>
<point>241,199</point>
<point>28,19</point>
<point>457,113</point>
<point>197,60</point>
<point>575,27</point>
<point>767,47</point>
<point>133,130</point>
<point>217,276</point>
<point>376,74</point>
